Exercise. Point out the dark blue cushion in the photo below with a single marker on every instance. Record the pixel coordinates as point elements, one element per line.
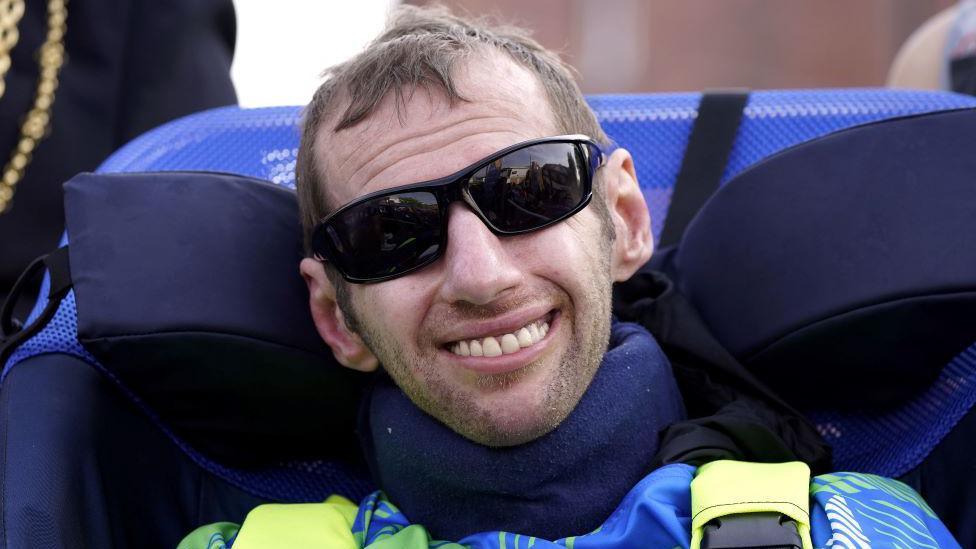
<point>848,259</point>
<point>188,292</point>
<point>842,271</point>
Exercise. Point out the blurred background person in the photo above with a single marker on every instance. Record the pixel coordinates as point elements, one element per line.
<point>622,46</point>
<point>618,46</point>
<point>941,54</point>
<point>82,78</point>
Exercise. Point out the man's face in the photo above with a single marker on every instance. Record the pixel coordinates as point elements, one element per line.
<point>551,285</point>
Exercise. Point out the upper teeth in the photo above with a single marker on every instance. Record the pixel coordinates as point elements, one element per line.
<point>490,346</point>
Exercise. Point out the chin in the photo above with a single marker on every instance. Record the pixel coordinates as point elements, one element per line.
<point>502,435</point>
<point>515,422</point>
<point>521,410</point>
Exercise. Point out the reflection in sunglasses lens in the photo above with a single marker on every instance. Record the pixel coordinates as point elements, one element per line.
<point>523,190</point>
<point>387,235</point>
<point>529,187</point>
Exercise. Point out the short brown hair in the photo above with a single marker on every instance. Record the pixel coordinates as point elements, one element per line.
<point>421,47</point>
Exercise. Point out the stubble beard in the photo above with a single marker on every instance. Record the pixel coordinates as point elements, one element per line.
<point>457,409</point>
<point>417,376</point>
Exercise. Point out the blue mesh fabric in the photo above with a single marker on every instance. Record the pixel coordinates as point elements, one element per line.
<point>292,481</point>
<point>263,143</point>
<point>59,336</point>
<point>655,128</point>
<point>893,442</point>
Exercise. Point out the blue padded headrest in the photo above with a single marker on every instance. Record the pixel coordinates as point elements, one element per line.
<point>842,271</point>
<point>262,143</point>
<point>653,127</point>
<point>188,291</point>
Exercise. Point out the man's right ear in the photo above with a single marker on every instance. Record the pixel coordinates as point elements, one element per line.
<point>330,321</point>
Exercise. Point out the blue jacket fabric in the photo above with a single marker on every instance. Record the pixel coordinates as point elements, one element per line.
<point>848,510</point>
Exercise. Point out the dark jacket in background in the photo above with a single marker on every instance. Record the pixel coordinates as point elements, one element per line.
<point>130,66</point>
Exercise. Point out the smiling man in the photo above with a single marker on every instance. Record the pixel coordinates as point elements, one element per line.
<point>465,221</point>
<point>495,335</point>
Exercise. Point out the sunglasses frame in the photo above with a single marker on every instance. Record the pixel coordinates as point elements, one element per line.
<point>452,188</point>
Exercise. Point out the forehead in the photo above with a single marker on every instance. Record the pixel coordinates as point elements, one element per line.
<point>427,137</point>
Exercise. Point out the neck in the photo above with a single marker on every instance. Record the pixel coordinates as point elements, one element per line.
<point>564,483</point>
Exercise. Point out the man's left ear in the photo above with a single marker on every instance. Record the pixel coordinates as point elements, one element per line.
<point>628,210</point>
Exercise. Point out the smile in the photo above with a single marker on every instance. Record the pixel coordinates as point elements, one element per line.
<point>503,344</point>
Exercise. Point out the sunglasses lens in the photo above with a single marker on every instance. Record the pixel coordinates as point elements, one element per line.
<point>531,187</point>
<point>385,236</point>
<point>526,189</point>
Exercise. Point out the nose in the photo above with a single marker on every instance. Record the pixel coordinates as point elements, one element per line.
<point>478,269</point>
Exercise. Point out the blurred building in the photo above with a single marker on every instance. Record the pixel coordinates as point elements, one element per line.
<point>670,45</point>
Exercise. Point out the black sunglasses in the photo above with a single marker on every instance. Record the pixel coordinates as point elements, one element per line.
<point>522,188</point>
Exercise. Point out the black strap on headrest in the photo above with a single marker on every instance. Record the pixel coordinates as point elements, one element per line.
<point>707,152</point>
<point>12,332</point>
<point>962,74</point>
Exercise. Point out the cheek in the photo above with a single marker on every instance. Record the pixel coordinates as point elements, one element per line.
<point>571,254</point>
<point>385,308</point>
<point>588,256</point>
<point>584,241</point>
<point>394,309</point>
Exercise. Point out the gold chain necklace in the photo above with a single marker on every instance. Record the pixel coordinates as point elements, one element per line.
<point>50,59</point>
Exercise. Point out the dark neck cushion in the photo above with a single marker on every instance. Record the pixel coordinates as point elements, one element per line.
<point>564,483</point>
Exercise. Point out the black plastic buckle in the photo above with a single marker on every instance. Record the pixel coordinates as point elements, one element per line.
<point>752,531</point>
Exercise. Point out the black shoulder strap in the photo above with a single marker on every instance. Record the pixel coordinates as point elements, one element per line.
<point>11,333</point>
<point>709,145</point>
